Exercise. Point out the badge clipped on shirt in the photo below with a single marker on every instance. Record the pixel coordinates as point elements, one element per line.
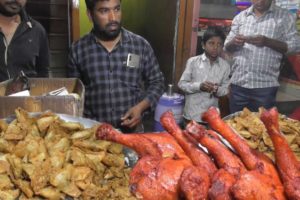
<point>133,60</point>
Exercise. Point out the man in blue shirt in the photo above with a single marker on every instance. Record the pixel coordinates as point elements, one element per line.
<point>118,68</point>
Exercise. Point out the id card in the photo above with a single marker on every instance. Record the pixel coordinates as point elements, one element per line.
<point>133,60</point>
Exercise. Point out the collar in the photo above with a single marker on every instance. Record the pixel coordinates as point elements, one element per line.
<point>250,10</point>
<point>25,18</point>
<point>205,59</point>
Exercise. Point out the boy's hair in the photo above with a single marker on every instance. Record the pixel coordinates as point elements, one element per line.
<point>90,4</point>
<point>213,31</point>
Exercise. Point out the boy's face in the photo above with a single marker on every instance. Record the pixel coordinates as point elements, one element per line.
<point>106,18</point>
<point>213,47</point>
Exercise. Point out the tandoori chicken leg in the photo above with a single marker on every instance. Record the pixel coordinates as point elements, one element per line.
<point>286,161</point>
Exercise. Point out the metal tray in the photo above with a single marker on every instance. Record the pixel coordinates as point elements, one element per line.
<point>131,156</point>
<point>232,115</point>
<point>87,123</point>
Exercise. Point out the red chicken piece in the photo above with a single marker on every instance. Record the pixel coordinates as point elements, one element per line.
<point>251,158</point>
<point>231,167</point>
<point>162,167</point>
<point>287,163</point>
<point>198,157</point>
<point>201,160</point>
<point>253,185</point>
<point>224,158</point>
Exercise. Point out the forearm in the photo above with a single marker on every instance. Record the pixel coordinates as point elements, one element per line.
<point>143,105</point>
<point>276,45</point>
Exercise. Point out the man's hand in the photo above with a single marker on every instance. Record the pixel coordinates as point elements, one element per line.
<point>235,44</point>
<point>258,40</point>
<point>134,115</point>
<point>239,40</point>
<point>263,41</point>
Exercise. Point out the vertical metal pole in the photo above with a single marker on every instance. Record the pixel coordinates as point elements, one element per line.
<point>175,42</point>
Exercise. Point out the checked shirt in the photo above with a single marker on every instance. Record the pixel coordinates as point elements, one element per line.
<point>259,67</point>
<point>111,85</point>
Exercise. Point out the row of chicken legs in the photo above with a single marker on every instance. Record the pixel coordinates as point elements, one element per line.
<point>194,163</point>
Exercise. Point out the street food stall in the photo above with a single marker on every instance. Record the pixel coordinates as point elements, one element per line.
<point>49,151</point>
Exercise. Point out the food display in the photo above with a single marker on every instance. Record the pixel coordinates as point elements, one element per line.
<point>248,125</point>
<point>45,157</point>
<point>172,165</point>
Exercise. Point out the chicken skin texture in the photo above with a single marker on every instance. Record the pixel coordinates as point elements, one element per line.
<point>230,166</point>
<point>254,161</point>
<point>198,157</point>
<point>163,170</point>
<point>286,161</point>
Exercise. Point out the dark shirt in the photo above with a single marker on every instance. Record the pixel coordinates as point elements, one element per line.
<point>112,83</point>
<point>28,51</point>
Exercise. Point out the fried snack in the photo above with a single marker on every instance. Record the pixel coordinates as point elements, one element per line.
<point>46,157</point>
<point>248,125</point>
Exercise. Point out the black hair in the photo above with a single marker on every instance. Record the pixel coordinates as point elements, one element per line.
<point>213,31</point>
<point>90,4</point>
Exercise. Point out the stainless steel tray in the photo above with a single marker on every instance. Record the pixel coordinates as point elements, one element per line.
<point>87,123</point>
<point>232,115</point>
<point>130,155</point>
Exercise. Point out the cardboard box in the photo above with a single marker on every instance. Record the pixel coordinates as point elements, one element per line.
<point>38,101</point>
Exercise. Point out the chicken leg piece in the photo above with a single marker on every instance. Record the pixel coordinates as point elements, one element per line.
<point>252,159</point>
<point>198,157</point>
<point>157,174</point>
<point>230,166</point>
<point>286,161</point>
<point>224,158</point>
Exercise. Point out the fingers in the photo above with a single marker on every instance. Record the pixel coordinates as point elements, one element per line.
<point>208,87</point>
<point>131,122</point>
<point>131,118</point>
<point>239,40</point>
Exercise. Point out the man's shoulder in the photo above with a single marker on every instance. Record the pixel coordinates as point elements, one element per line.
<point>36,25</point>
<point>133,37</point>
<point>281,11</point>
<point>243,14</point>
<point>82,40</point>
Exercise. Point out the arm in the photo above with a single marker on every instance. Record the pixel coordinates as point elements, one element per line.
<point>288,43</point>
<point>134,115</point>
<point>152,77</point>
<point>154,83</point>
<point>234,41</point>
<point>223,87</point>
<point>42,62</point>
<point>263,41</point>
<point>291,35</point>
<point>186,82</point>
<point>72,69</point>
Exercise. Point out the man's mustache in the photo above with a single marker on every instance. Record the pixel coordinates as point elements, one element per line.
<point>113,24</point>
<point>14,2</point>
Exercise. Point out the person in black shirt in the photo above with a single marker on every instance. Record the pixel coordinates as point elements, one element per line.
<point>23,42</point>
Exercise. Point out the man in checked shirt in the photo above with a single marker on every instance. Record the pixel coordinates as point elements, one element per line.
<point>259,37</point>
<point>118,68</point>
